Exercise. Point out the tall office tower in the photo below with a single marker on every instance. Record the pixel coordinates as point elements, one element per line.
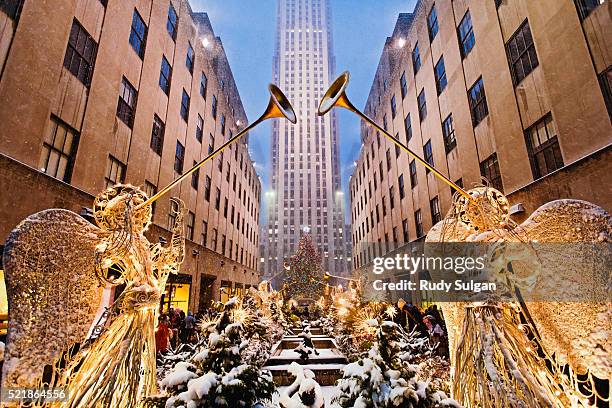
<point>305,191</point>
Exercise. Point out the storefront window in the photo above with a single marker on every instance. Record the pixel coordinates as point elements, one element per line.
<point>225,293</point>
<point>177,293</point>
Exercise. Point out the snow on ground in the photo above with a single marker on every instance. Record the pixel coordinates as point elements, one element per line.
<point>322,353</point>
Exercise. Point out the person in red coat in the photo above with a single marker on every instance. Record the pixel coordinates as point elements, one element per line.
<point>163,333</point>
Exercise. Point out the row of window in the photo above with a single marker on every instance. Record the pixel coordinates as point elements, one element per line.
<point>60,145</point>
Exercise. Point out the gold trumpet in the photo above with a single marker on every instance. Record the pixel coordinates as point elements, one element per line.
<point>336,97</point>
<point>278,107</point>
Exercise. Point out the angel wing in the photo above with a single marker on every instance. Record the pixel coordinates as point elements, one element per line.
<point>577,332</point>
<point>53,292</point>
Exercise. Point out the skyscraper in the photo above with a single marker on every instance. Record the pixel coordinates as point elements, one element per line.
<point>305,193</point>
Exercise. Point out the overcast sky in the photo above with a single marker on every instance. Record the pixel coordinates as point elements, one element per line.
<point>247,30</point>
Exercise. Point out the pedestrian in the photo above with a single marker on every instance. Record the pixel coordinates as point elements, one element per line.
<point>189,326</point>
<point>180,326</point>
<point>400,315</point>
<point>437,337</point>
<point>163,333</point>
<point>415,320</point>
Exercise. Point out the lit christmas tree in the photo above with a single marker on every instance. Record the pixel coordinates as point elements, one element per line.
<point>304,277</point>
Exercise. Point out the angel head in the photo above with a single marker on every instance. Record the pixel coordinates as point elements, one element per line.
<point>488,211</point>
<point>117,208</point>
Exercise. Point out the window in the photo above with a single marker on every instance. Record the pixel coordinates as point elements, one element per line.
<point>199,129</point>
<point>138,34</point>
<point>408,128</point>
<point>203,85</point>
<point>403,85</point>
<point>80,53</point>
<point>150,190</point>
<point>605,83</point>
<point>172,22</point>
<point>585,7</point>
<point>195,176</point>
<point>413,174</point>
<point>388,156</point>
<point>223,125</point>
<point>189,61</point>
<point>478,102</point>
<point>448,132</point>
<point>397,148</point>
<point>418,220</point>
<point>157,135</point>
<point>459,183</point>
<point>432,23</point>
<point>214,240</point>
<point>59,150</point>
<point>174,209</point>
<point>393,107</point>
<point>400,182</point>
<point>498,3</point>
<point>165,74</point>
<point>115,173</point>
<point>385,124</point>
<point>416,59</point>
<point>12,8</point>
<point>428,154</point>
<point>392,197</point>
<point>466,35</point>
<point>434,205</point>
<point>214,107</point>
<point>225,207</point>
<point>489,169</point>
<point>521,52</point>
<point>185,106</point>
<point>218,199</point>
<point>207,182</point>
<point>543,147</point>
<point>223,238</point>
<point>211,144</point>
<point>440,76</point>
<point>204,235</point>
<point>190,225</point>
<point>179,157</point>
<point>127,103</point>
<point>422,105</point>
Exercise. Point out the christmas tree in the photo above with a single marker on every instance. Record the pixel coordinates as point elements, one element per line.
<point>303,279</point>
<point>386,378</point>
<point>217,375</point>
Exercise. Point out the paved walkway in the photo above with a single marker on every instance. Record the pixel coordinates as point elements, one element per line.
<point>327,366</point>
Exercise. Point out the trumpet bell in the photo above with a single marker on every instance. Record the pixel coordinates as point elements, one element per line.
<point>335,95</point>
<point>279,106</point>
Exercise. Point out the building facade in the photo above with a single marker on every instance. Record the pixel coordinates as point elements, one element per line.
<point>305,191</point>
<point>94,93</point>
<point>514,92</point>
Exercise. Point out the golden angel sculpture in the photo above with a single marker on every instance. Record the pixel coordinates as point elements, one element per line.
<point>57,265</point>
<point>542,345</point>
